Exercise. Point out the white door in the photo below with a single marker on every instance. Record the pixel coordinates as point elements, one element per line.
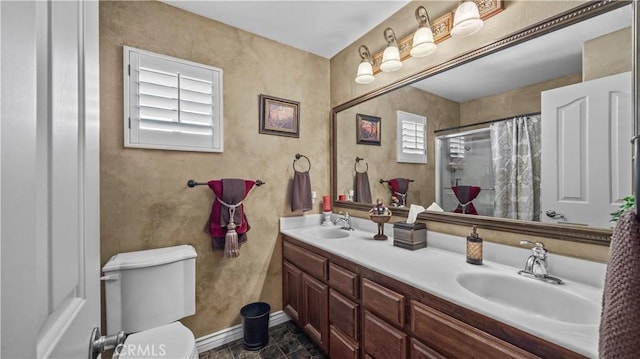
<point>49,178</point>
<point>586,153</point>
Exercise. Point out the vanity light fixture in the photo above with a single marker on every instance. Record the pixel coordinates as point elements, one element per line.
<point>423,44</point>
<point>391,56</point>
<point>365,68</point>
<point>466,20</point>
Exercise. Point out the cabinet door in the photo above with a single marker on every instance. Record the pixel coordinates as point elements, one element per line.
<point>341,346</point>
<point>343,314</point>
<point>382,340</point>
<point>315,310</point>
<point>291,286</point>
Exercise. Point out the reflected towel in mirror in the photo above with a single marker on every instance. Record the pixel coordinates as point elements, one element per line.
<point>361,188</point>
<point>465,196</point>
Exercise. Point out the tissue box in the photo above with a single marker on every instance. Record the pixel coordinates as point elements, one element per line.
<point>410,235</point>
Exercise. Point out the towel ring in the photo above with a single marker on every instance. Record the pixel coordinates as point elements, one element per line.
<point>355,165</point>
<point>297,158</point>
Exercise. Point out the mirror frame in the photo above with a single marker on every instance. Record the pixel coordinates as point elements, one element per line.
<point>598,236</point>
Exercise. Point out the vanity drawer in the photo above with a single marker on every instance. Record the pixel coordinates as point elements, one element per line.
<point>421,351</point>
<point>454,338</point>
<point>343,314</point>
<point>382,340</point>
<point>309,262</point>
<point>343,280</point>
<point>383,301</point>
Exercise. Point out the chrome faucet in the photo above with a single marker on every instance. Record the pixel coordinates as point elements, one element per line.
<point>536,266</point>
<point>347,222</point>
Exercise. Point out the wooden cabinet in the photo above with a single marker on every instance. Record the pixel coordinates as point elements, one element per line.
<point>382,340</point>
<point>291,286</point>
<point>354,312</point>
<point>315,308</point>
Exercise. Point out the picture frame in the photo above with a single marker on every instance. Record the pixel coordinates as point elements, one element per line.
<point>368,130</point>
<point>279,117</point>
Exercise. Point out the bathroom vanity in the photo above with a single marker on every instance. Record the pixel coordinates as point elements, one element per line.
<point>360,298</point>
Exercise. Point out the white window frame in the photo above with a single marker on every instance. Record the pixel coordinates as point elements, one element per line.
<point>401,154</point>
<point>180,139</point>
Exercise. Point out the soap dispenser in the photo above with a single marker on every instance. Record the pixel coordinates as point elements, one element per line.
<point>474,247</point>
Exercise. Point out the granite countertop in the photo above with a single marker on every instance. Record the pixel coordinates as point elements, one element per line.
<point>436,270</point>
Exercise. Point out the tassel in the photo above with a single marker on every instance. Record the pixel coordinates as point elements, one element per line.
<point>231,249</point>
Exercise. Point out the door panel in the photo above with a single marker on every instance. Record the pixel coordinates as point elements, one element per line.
<point>50,251</point>
<point>586,153</point>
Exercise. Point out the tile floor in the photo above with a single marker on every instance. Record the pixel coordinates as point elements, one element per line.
<point>286,341</point>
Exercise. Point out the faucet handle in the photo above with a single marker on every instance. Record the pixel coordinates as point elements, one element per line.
<point>538,248</point>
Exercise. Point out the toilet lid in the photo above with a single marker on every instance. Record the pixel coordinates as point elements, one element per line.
<point>171,341</point>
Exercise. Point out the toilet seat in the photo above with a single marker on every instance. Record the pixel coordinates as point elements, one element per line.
<point>170,341</point>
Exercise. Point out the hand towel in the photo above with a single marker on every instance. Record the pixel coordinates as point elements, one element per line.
<point>466,194</point>
<point>620,320</point>
<point>361,188</point>
<point>400,187</point>
<point>301,192</point>
<point>231,191</point>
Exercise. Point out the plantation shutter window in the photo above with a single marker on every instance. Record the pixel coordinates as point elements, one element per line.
<point>411,137</point>
<point>171,103</point>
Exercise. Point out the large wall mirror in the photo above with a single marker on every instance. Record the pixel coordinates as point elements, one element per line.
<point>515,85</point>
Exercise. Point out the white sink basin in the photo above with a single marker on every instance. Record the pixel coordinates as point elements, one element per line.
<point>533,296</point>
<point>325,233</point>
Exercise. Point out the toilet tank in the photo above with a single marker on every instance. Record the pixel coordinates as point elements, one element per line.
<point>149,288</point>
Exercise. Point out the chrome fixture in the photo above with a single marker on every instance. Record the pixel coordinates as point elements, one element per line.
<point>391,55</point>
<point>365,69</point>
<point>423,43</point>
<point>99,344</point>
<point>536,266</point>
<point>466,20</point>
<point>347,222</point>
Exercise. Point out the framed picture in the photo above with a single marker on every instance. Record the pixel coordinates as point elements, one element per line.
<point>279,116</point>
<point>368,130</point>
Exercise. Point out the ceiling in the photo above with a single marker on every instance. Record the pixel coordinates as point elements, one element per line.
<point>320,27</point>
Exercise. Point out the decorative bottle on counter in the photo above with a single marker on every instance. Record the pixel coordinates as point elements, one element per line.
<point>474,248</point>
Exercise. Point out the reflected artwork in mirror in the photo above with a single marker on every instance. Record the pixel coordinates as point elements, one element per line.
<point>465,106</point>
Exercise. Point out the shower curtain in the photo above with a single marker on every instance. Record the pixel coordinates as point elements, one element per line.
<point>515,148</point>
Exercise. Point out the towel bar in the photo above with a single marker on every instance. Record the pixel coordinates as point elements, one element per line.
<point>387,181</point>
<point>192,183</point>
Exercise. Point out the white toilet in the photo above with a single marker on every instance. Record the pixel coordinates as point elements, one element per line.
<point>146,292</point>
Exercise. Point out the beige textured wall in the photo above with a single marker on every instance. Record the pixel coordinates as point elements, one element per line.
<point>145,202</point>
<point>617,46</point>
<point>511,103</point>
<point>440,113</point>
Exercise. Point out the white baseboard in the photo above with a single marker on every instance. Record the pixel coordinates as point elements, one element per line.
<point>234,333</point>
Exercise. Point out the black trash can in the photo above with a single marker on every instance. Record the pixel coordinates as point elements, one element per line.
<point>255,325</point>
